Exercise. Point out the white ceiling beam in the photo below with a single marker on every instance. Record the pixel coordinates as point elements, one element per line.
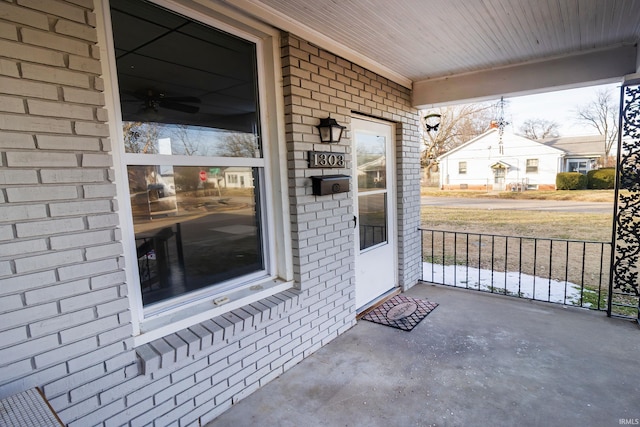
<point>524,79</point>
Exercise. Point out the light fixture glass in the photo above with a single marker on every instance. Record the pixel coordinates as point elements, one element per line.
<point>330,130</point>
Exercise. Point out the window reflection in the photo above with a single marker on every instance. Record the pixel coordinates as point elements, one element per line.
<point>372,215</point>
<point>372,162</point>
<point>194,227</point>
<point>186,140</point>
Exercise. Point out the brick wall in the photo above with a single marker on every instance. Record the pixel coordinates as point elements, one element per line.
<point>64,310</point>
<point>318,83</point>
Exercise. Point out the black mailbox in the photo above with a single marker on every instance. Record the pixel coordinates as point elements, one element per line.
<point>329,184</point>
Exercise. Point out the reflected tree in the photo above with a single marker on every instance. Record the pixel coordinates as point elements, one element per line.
<point>239,145</point>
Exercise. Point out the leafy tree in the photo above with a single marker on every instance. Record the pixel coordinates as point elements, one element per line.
<point>539,129</point>
<point>601,113</point>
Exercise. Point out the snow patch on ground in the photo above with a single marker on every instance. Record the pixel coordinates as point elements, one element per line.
<point>515,283</point>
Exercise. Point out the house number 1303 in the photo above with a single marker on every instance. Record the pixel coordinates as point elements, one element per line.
<point>324,159</point>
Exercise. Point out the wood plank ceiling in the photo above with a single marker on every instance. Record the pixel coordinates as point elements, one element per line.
<point>427,39</point>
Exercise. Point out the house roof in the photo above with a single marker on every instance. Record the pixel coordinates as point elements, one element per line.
<point>492,135</point>
<point>462,50</point>
<point>585,146</point>
<point>588,145</point>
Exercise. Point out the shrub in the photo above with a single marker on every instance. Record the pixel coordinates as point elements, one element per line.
<point>571,181</point>
<point>601,179</point>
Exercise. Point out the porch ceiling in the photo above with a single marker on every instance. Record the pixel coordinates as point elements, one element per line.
<point>417,42</point>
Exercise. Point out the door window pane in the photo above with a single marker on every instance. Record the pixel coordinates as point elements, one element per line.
<point>194,227</point>
<point>372,210</point>
<point>371,161</point>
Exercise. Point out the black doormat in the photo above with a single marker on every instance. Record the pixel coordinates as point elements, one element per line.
<point>401,312</point>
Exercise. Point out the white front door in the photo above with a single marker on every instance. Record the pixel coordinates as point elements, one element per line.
<point>374,192</point>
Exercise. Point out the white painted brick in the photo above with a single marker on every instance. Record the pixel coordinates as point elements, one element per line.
<point>106,280</point>
<point>92,358</point>
<point>80,31</point>
<point>22,247</point>
<point>12,86</point>
<point>170,419</point>
<point>10,104</point>
<point>84,64</point>
<point>55,75</point>
<point>54,176</point>
<point>8,31</point>
<point>97,385</point>
<point>92,129</point>
<point>6,232</point>
<point>123,418</point>
<point>57,8</point>
<point>88,299</point>
<point>81,239</point>
<point>11,302</point>
<point>16,370</point>
<point>101,190</point>
<point>21,283</point>
<point>122,360</point>
<point>23,52</point>
<point>115,335</point>
<point>5,269</point>
<point>28,314</point>
<point>11,337</point>
<point>113,307</point>
<point>88,329</point>
<point>43,228</point>
<point>48,326</point>
<point>40,159</point>
<point>78,208</point>
<point>147,418</point>
<point>86,269</point>
<point>103,221</point>
<point>104,412</point>
<point>63,385</point>
<point>28,348</point>
<point>82,96</point>
<point>56,291</point>
<point>173,389</point>
<point>58,109</point>
<point>42,193</point>
<point>16,140</point>
<point>12,13</point>
<point>34,124</point>
<point>63,353</point>
<point>17,177</point>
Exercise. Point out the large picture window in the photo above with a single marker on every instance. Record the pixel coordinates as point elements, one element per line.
<point>193,151</point>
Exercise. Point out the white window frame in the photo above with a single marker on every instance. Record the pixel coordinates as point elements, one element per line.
<point>461,170</point>
<point>526,168</point>
<point>183,311</point>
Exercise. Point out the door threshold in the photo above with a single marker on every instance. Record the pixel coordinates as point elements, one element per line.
<point>377,301</point>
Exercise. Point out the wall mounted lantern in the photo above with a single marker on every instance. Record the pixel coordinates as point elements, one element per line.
<point>330,130</point>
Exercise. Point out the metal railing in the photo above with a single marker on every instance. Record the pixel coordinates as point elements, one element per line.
<point>569,272</point>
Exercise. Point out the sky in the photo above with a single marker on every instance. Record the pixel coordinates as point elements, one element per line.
<point>559,106</point>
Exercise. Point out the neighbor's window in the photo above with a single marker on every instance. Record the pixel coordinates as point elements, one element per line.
<point>532,165</point>
<point>191,130</point>
<point>462,168</point>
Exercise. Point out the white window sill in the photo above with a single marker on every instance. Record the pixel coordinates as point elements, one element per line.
<point>163,325</point>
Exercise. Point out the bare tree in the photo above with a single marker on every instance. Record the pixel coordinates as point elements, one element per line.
<point>602,114</point>
<point>239,145</point>
<point>458,124</point>
<point>539,129</point>
<point>141,137</point>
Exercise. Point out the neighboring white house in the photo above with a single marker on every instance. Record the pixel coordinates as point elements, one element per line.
<point>512,162</point>
<point>582,152</point>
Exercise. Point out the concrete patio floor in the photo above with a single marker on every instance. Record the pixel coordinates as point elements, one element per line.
<point>476,360</point>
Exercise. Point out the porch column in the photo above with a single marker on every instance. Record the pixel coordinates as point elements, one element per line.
<point>625,294</point>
